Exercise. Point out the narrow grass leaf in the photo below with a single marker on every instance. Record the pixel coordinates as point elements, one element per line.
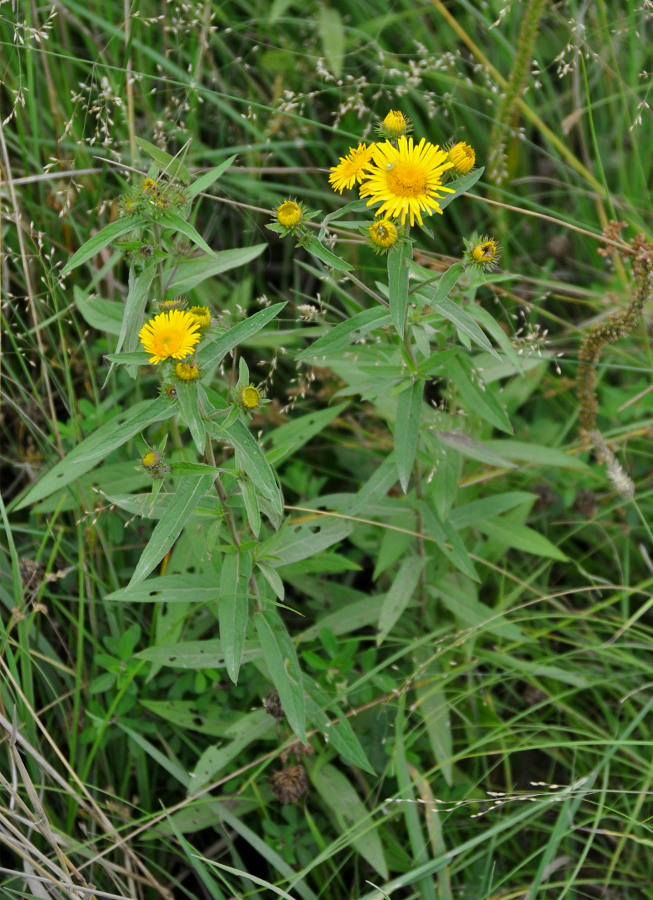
<point>350,814</point>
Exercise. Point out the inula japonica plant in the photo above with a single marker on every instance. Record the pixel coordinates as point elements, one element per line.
<point>326,559</point>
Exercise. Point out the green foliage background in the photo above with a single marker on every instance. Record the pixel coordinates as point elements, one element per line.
<point>455,616</point>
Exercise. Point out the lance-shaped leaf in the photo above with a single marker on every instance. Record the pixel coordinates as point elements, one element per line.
<point>233,610</point>
<point>398,286</point>
<point>409,406</point>
<point>101,240</point>
<point>281,659</point>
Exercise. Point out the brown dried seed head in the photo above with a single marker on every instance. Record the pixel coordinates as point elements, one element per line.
<point>289,784</point>
<point>273,705</point>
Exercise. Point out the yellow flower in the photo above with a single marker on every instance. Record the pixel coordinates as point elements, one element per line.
<point>395,124</point>
<point>485,252</point>
<point>406,180</point>
<point>202,315</point>
<point>186,371</point>
<point>289,214</point>
<point>170,334</point>
<point>148,185</point>
<point>250,396</point>
<point>350,169</point>
<point>151,459</point>
<point>168,305</point>
<point>383,234</point>
<point>463,157</point>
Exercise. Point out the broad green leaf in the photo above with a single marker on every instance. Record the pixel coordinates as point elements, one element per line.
<point>316,249</point>
<point>447,282</point>
<point>294,434</point>
<point>537,454</point>
<point>97,446</point>
<point>188,399</point>
<point>467,446</point>
<point>215,352</point>
<point>168,528</point>
<point>214,759</point>
<point>191,272</point>
<point>444,533</point>
<point>171,765</point>
<point>488,508</point>
<point>460,185</point>
<point>135,358</point>
<point>105,315</point>
<point>175,221</point>
<point>398,286</point>
<point>186,715</point>
<point>101,240</point>
<point>409,406</point>
<point>172,165</point>
<point>233,611</point>
<point>478,398</point>
<point>137,297</point>
<point>204,182</point>
<point>464,323</point>
<point>194,655</point>
<point>273,579</point>
<point>277,9</point>
<point>332,34</point>
<point>299,540</point>
<point>256,465</point>
<point>181,467</point>
<point>281,659</point>
<point>169,589</point>
<point>521,537</point>
<point>399,596</point>
<point>338,732</point>
<point>347,332</point>
<point>248,491</point>
<point>353,819</point>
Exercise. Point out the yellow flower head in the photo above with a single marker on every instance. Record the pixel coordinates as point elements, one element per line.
<point>395,124</point>
<point>170,334</point>
<point>151,460</point>
<point>383,234</point>
<point>289,214</point>
<point>149,185</point>
<point>186,371</point>
<point>202,315</point>
<point>485,252</point>
<point>463,157</point>
<point>350,168</point>
<point>250,397</point>
<point>407,179</point>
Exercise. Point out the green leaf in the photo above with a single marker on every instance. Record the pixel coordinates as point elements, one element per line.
<point>255,726</point>
<point>489,508</point>
<point>294,434</point>
<point>444,533</point>
<point>466,608</point>
<point>188,588</point>
<point>101,240</point>
<point>233,611</point>
<point>465,324</point>
<point>194,655</point>
<point>521,537</point>
<point>537,454</point>
<point>283,665</point>
<point>409,406</point>
<point>256,465</point>
<point>352,817</point>
<point>434,709</point>
<point>213,354</point>
<point>338,732</point>
<point>398,286</point>
<point>460,185</point>
<point>105,315</point>
<point>97,446</point>
<point>399,595</point>
<point>169,526</point>
<point>204,182</point>
<point>248,491</point>
<point>191,272</point>
<point>172,165</point>
<point>175,221</point>
<point>347,332</point>
<point>466,445</point>
<point>188,399</point>
<point>332,33</point>
<point>478,398</point>
<point>316,249</point>
<point>299,541</point>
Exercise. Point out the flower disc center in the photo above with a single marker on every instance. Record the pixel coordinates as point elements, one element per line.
<point>406,179</point>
